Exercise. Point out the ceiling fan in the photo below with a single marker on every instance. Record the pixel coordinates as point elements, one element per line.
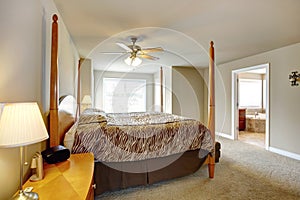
<point>136,52</point>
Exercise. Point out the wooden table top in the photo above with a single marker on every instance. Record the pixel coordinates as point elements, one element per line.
<point>70,179</point>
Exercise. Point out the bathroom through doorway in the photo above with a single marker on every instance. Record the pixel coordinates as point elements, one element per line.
<point>250,103</point>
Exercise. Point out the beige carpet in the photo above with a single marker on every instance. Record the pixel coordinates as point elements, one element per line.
<point>244,172</point>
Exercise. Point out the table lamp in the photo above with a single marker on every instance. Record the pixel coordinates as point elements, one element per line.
<point>21,124</point>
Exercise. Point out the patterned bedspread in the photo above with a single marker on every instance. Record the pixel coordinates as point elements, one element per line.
<point>122,137</point>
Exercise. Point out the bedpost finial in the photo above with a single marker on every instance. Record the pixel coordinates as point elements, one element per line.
<point>211,43</point>
<point>54,18</point>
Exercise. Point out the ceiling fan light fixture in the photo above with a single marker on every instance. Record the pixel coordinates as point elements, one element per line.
<point>133,61</point>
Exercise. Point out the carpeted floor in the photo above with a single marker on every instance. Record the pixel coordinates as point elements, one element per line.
<point>244,172</point>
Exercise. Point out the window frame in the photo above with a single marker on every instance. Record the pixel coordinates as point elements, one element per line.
<point>143,85</point>
<point>261,97</point>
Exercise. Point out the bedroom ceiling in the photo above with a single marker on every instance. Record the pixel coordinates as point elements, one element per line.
<point>239,28</point>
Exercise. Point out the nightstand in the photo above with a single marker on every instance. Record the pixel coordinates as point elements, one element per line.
<point>71,179</point>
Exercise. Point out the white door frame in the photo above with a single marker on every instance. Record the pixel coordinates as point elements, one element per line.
<point>234,100</point>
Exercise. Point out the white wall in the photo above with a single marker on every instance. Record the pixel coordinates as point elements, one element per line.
<point>24,70</point>
<point>284,99</point>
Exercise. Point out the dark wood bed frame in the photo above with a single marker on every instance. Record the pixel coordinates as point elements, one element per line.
<point>107,178</point>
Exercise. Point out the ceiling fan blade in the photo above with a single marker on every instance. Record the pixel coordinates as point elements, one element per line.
<point>113,53</point>
<point>156,49</point>
<point>147,56</point>
<point>124,46</point>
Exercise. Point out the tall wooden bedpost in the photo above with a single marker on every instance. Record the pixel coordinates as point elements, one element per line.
<point>161,90</point>
<point>78,91</point>
<point>211,120</point>
<point>53,124</point>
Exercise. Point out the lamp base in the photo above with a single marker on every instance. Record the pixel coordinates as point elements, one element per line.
<point>26,196</point>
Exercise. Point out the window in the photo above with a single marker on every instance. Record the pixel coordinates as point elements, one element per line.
<point>124,95</point>
<point>251,93</point>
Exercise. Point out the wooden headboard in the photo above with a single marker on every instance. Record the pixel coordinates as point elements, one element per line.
<point>55,135</point>
<point>66,115</point>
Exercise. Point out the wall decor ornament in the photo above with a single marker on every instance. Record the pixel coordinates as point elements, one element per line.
<point>294,78</point>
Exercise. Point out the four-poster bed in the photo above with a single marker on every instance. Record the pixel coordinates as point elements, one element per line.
<point>107,174</point>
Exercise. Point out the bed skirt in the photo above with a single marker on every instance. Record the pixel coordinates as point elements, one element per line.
<point>110,178</point>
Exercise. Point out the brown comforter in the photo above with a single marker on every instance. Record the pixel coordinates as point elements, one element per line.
<point>122,137</point>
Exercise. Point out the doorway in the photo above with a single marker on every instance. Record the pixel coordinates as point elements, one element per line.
<point>250,105</point>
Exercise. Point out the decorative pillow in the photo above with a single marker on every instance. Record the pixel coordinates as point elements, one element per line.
<point>93,111</point>
<point>92,115</point>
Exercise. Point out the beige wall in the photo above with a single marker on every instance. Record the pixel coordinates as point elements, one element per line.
<point>189,93</point>
<point>284,99</point>
<point>86,78</point>
<point>24,70</point>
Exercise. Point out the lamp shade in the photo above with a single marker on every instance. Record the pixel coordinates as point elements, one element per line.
<point>21,124</point>
<point>133,61</point>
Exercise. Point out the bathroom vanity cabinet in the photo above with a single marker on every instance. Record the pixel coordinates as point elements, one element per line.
<point>242,119</point>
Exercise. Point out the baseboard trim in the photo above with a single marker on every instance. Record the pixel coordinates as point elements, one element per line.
<point>224,135</point>
<point>285,153</point>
